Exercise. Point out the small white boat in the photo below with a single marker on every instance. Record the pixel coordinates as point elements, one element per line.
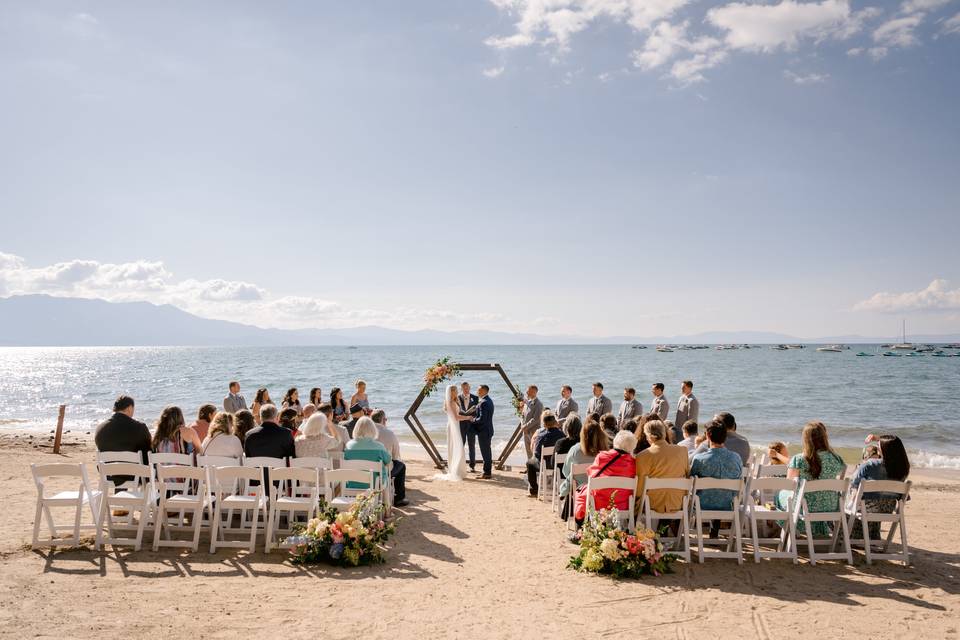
<point>664,349</point>
<point>904,345</point>
<point>834,348</point>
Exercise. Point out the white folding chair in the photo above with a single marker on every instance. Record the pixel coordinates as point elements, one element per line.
<point>651,517</point>
<point>322,465</point>
<point>577,470</point>
<point>617,483</point>
<point>857,510</point>
<point>542,475</point>
<point>209,463</point>
<point>558,461</point>
<point>266,463</point>
<point>307,481</point>
<point>133,496</point>
<point>192,499</point>
<point>119,456</point>
<point>758,513</point>
<point>735,539</point>
<point>83,496</point>
<point>179,459</point>
<point>837,518</point>
<point>230,496</point>
<point>381,481</point>
<point>336,481</point>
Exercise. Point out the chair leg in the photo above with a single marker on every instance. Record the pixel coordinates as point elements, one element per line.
<point>271,518</point>
<point>158,524</point>
<point>810,545</point>
<point>214,525</point>
<point>76,523</point>
<point>756,538</point>
<point>846,539</point>
<point>253,532</point>
<point>197,522</point>
<point>36,524</point>
<point>144,510</point>
<point>867,543</point>
<point>699,536</point>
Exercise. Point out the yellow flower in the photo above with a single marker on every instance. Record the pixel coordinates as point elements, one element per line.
<point>592,561</point>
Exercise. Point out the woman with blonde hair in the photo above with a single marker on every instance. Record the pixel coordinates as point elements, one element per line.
<point>221,440</point>
<point>817,461</point>
<point>360,397</point>
<point>315,439</point>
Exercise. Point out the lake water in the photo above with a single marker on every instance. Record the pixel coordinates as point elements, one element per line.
<point>771,393</point>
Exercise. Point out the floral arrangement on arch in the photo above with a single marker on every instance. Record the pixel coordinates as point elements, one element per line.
<point>349,539</point>
<point>518,403</point>
<point>442,370</point>
<point>607,549</point>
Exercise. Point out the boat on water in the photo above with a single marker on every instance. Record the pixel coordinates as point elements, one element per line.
<point>913,354</point>
<point>833,348</point>
<point>952,345</point>
<point>940,354</point>
<point>664,349</point>
<point>779,347</point>
<point>903,344</point>
<point>795,346</point>
<point>864,354</point>
<point>639,346</point>
<point>924,348</point>
<point>891,354</point>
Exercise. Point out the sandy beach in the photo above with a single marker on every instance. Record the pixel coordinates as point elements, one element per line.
<point>474,559</point>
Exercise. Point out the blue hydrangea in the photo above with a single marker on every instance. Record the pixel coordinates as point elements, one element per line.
<point>336,550</point>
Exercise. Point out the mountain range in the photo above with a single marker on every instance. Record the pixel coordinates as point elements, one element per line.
<point>42,320</point>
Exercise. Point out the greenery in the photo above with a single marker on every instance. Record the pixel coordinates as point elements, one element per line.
<point>349,539</point>
<point>442,370</point>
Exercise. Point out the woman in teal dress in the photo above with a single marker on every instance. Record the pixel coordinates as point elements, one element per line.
<point>817,462</point>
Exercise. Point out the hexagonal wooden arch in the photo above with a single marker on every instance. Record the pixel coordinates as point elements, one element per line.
<point>418,429</point>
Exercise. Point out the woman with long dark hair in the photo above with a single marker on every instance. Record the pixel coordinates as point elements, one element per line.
<point>893,464</point>
<point>341,411</point>
<point>262,398</point>
<point>316,396</point>
<point>173,435</point>
<point>817,461</point>
<point>291,400</point>
<point>243,421</point>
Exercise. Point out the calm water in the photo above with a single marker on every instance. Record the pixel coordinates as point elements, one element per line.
<point>771,393</point>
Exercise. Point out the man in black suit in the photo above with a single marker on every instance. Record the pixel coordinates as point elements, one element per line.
<point>120,432</point>
<point>269,440</point>
<point>482,429</point>
<point>356,412</point>
<point>468,407</point>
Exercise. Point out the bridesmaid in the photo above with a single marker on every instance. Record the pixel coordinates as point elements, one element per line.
<point>316,397</point>
<point>340,410</point>
<point>360,397</point>
<point>262,398</point>
<point>292,401</point>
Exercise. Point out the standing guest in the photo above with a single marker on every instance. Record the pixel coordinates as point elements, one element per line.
<point>308,410</point>
<point>892,464</point>
<point>204,416</point>
<point>468,406</point>
<point>661,460</point>
<point>364,446</point>
<point>609,423</point>
<point>316,397</point>
<point>630,408</point>
<point>817,462</point>
<point>599,403</point>
<point>619,462</point>
<point>291,400</point>
<point>120,432</point>
<point>531,418</point>
<point>720,463</point>
<point>356,412</point>
<point>243,423</point>
<point>689,441</point>
<point>288,420</point>
<point>341,411</point>
<point>688,407</point>
<point>735,442</point>
<point>593,440</point>
<point>360,397</point>
<point>269,440</point>
<point>262,398</point>
<point>398,470</point>
<point>172,435</point>
<point>233,401</point>
<point>314,440</point>
<point>222,441</point>
<point>338,431</point>
<point>660,407</point>
<point>546,437</point>
<point>567,404</point>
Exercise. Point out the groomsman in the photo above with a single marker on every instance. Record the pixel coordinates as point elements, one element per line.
<point>567,404</point>
<point>688,407</point>
<point>468,406</point>
<point>531,418</point>
<point>234,402</point>
<point>599,403</point>
<point>629,408</point>
<point>660,405</point>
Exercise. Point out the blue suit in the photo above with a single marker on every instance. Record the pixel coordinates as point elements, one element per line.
<point>482,430</point>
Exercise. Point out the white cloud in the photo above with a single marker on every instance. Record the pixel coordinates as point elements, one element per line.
<point>914,6</point>
<point>936,297</point>
<point>769,27</point>
<point>952,25</point>
<point>493,72</point>
<point>807,78</point>
<point>668,41</point>
<point>898,32</point>
<point>689,71</point>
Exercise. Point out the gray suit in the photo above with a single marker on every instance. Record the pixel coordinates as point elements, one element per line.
<point>688,408</point>
<point>600,405</point>
<point>233,403</point>
<point>661,407</point>
<point>629,409</point>
<point>565,407</point>
<point>531,421</point>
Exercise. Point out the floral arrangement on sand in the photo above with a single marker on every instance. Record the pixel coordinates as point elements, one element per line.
<point>349,539</point>
<point>606,548</point>
<point>442,370</point>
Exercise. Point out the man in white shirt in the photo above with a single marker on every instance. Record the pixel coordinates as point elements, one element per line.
<point>398,470</point>
<point>689,436</point>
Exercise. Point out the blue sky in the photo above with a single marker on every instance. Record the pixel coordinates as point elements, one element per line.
<point>595,167</point>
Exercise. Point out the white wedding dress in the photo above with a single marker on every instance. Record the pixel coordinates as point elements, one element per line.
<point>456,458</point>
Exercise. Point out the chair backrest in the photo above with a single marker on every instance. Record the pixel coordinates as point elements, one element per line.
<point>580,469</point>
<point>313,462</point>
<point>611,482</point>
<point>546,452</point>
<point>139,472</point>
<point>773,484</point>
<point>837,486</point>
<point>680,484</point>
<point>899,487</point>
<point>559,459</point>
<point>771,471</point>
<point>57,470</point>
<point>715,483</point>
<point>342,476</point>
<point>218,461</point>
<point>119,456</point>
<point>175,472</point>
<point>264,461</point>
<point>229,476</point>
<point>183,459</point>
<point>295,474</point>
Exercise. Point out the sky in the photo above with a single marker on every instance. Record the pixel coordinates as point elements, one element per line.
<point>591,167</point>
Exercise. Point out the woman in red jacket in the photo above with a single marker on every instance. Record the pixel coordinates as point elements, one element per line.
<point>615,462</point>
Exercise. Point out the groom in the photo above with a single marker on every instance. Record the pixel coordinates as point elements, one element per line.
<point>482,429</point>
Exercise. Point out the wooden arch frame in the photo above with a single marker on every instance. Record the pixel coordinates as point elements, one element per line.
<point>410,417</point>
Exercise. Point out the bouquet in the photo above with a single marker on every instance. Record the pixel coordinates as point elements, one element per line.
<point>349,539</point>
<point>606,548</point>
<point>442,370</point>
<point>518,404</point>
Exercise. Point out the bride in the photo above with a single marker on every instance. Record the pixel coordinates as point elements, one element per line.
<point>456,460</point>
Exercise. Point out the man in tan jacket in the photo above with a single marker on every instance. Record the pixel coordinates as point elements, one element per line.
<point>661,460</point>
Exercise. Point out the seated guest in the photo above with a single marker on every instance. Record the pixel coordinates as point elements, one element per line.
<point>735,442</point>
<point>671,436</point>
<point>571,435</point>
<point>356,412</point>
<point>341,411</point>
<point>314,440</point>
<point>610,424</point>
<point>593,440</point>
<point>777,453</point>
<point>619,462</point>
<point>817,462</point>
<point>661,460</point>
<point>173,435</point>
<point>120,432</point>
<point>360,396</point>
<point>262,398</point>
<point>338,431</point>
<point>243,422</point>
<point>547,436</point>
<point>288,420</point>
<point>716,462</point>
<point>636,425</point>
<point>892,464</point>
<point>390,442</point>
<point>364,446</point>
<point>689,436</point>
<point>221,441</point>
<point>308,410</point>
<point>204,416</point>
<point>269,440</point>
<point>291,400</point>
